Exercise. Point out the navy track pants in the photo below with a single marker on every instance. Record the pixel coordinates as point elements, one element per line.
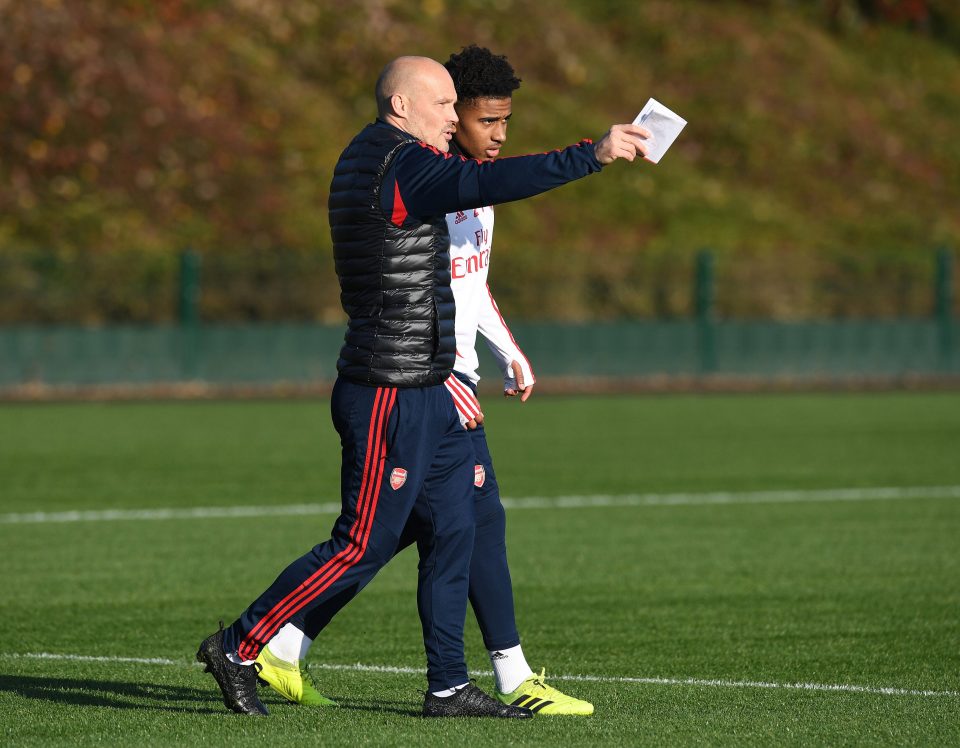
<point>491,590</point>
<point>404,454</point>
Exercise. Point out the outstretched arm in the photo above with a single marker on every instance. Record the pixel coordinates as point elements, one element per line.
<point>429,182</point>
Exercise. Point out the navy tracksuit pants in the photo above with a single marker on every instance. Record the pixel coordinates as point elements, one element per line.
<point>405,457</point>
<point>491,590</point>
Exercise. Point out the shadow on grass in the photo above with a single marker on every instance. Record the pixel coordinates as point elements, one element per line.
<point>403,708</point>
<point>115,694</point>
<point>157,697</point>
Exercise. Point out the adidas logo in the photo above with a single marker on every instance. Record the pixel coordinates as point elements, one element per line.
<point>461,217</point>
<point>498,656</point>
<point>532,703</point>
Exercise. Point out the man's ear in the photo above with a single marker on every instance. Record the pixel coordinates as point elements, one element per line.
<point>398,106</point>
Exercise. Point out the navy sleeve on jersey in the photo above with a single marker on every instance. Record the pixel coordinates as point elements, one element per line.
<point>423,181</point>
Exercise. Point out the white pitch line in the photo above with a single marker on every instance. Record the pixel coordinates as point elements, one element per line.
<point>208,512</point>
<point>394,670</point>
<point>667,681</point>
<point>91,658</point>
<point>888,493</point>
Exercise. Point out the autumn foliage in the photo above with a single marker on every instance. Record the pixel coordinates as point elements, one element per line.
<point>820,163</point>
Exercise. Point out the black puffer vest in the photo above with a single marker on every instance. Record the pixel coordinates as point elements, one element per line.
<point>394,282</point>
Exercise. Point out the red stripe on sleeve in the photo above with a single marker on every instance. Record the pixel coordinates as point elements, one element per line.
<point>463,398</point>
<point>503,322</point>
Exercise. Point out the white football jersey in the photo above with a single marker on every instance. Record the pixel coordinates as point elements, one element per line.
<point>471,240</point>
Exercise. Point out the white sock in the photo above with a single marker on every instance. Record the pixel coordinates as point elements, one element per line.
<point>510,668</point>
<point>290,644</point>
<point>450,691</point>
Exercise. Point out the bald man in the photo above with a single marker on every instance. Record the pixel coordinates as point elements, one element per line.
<point>404,451</point>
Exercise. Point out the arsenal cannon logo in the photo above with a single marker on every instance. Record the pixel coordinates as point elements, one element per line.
<point>398,476</point>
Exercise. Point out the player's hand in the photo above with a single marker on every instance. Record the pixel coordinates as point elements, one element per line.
<point>521,389</point>
<point>623,141</point>
<point>472,424</point>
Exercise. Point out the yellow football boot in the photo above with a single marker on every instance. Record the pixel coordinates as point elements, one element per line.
<point>535,695</point>
<point>293,682</point>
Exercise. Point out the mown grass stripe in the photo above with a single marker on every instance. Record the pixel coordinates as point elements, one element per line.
<point>886,493</point>
<point>395,670</point>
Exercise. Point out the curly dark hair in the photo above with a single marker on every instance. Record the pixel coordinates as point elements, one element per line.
<point>479,74</point>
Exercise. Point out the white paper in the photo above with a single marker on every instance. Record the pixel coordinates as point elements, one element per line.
<point>663,123</point>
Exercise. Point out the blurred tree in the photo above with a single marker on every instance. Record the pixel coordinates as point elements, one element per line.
<point>817,165</point>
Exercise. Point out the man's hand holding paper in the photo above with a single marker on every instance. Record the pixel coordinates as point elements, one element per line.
<point>623,141</point>
<point>664,125</point>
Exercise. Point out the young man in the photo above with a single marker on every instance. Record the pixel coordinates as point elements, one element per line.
<point>404,452</point>
<point>485,84</point>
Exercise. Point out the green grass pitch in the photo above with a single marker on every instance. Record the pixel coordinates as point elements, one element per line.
<point>692,618</point>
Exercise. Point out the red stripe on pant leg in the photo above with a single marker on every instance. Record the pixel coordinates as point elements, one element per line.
<point>366,519</point>
<point>377,483</point>
<point>248,646</point>
<point>374,492</point>
<point>344,565</point>
<point>270,623</point>
<point>347,558</point>
<point>336,566</point>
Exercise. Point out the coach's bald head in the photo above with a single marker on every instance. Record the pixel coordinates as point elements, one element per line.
<point>416,94</point>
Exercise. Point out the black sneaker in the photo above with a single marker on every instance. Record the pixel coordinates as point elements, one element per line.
<point>237,682</point>
<point>470,701</point>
